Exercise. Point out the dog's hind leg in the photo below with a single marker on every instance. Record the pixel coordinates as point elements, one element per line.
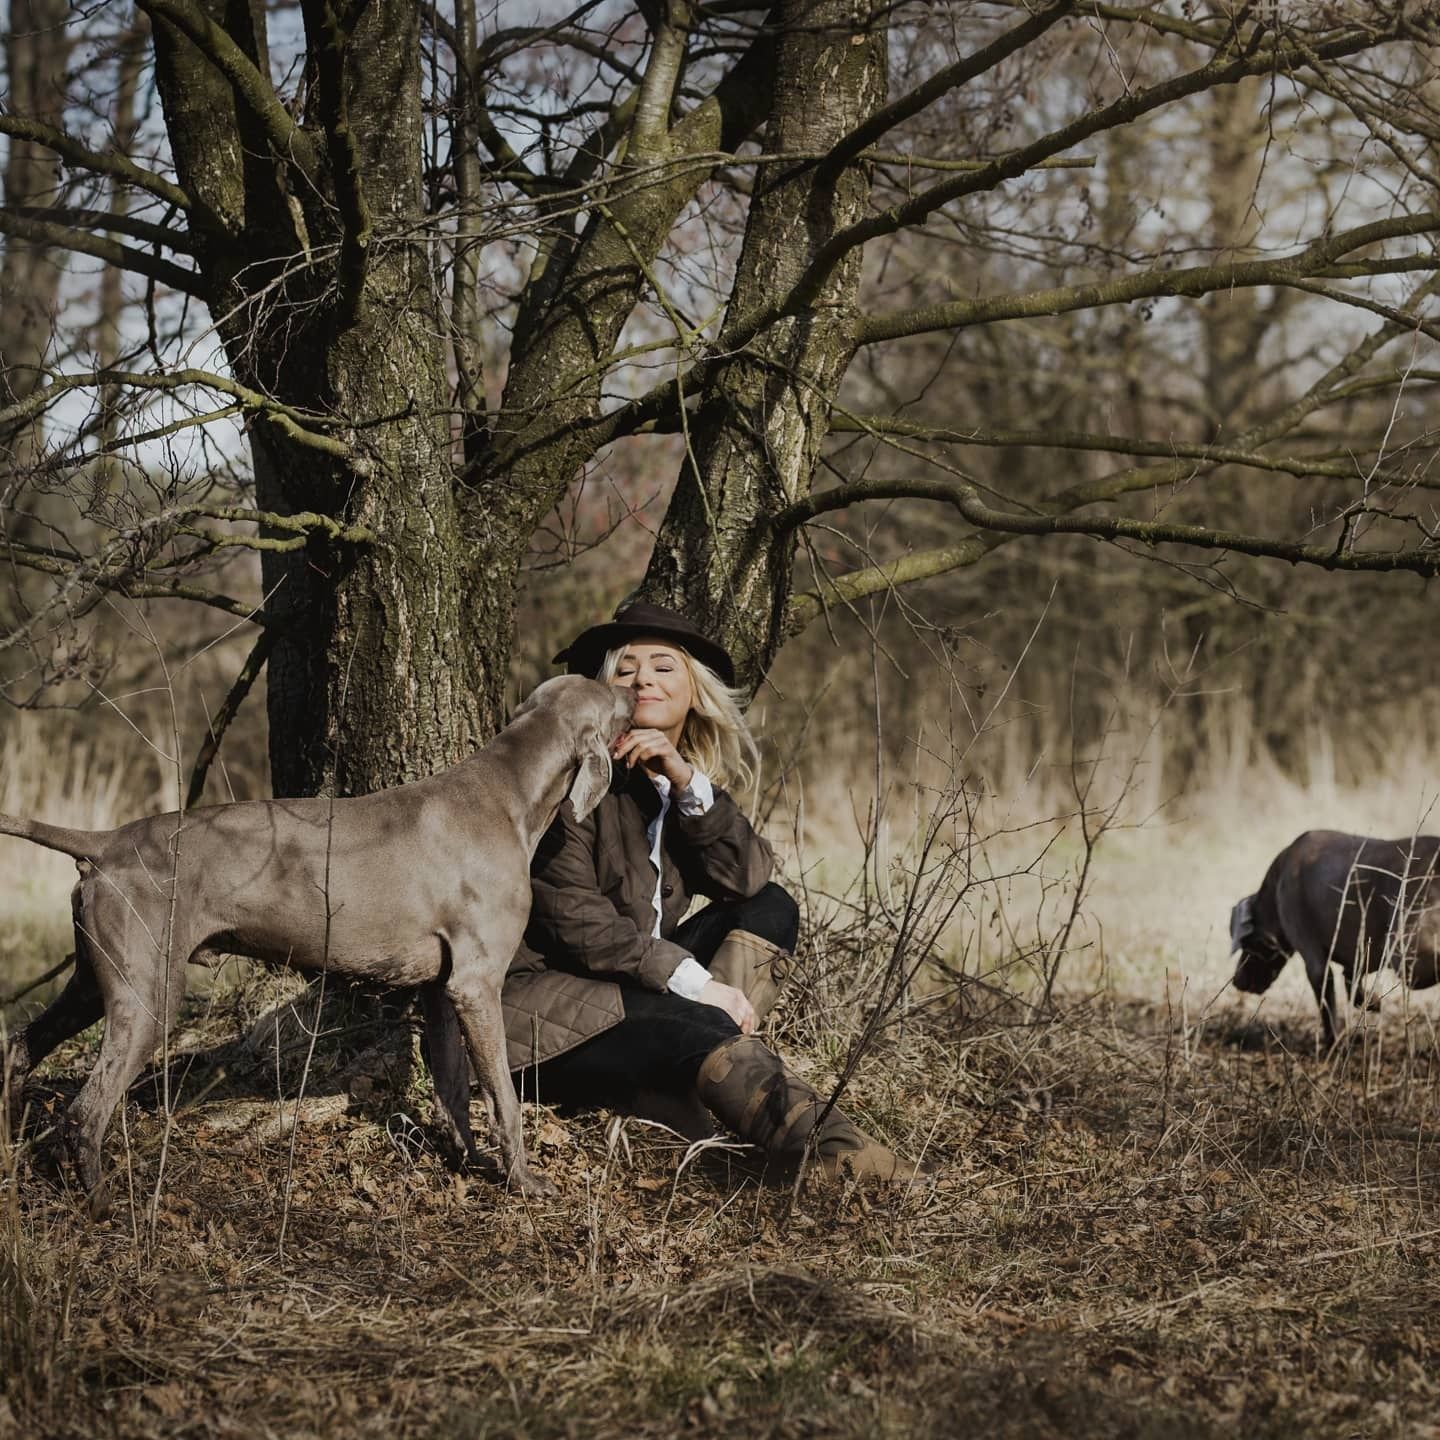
<point>484,1026</point>
<point>449,1069</point>
<point>78,1006</point>
<point>141,999</point>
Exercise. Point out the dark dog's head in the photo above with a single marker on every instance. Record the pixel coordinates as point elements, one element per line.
<point>1262,955</point>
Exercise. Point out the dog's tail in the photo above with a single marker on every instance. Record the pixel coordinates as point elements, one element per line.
<point>82,844</point>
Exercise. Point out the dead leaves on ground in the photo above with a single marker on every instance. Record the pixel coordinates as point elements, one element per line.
<point>1192,1239</point>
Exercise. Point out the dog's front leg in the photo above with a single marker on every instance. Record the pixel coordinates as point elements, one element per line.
<point>478,1006</point>
<point>449,1070</point>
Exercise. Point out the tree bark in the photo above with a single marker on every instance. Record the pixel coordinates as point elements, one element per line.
<point>375,678</point>
<point>37,44</point>
<point>756,438</point>
<point>112,295</point>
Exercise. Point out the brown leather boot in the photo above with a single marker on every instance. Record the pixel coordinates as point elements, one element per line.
<point>752,965</point>
<point>752,1093</point>
<point>684,1114</point>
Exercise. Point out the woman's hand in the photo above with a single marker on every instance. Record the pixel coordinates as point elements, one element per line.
<point>732,1002</point>
<point>654,750</point>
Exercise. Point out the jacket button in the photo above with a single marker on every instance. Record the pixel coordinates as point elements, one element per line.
<point>666,891</point>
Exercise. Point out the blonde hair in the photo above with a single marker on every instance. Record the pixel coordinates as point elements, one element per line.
<point>715,738</point>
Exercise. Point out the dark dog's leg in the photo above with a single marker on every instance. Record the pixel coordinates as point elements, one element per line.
<point>449,1069</point>
<point>1322,982</point>
<point>77,1007</point>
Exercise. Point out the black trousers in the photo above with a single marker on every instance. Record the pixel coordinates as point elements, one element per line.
<point>663,1040</point>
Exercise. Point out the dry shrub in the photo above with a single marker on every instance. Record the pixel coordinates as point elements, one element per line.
<point>37,1289</point>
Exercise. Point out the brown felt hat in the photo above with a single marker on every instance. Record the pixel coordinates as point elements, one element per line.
<point>587,651</point>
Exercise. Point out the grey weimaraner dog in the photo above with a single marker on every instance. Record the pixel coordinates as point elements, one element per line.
<point>1362,903</point>
<point>426,884</point>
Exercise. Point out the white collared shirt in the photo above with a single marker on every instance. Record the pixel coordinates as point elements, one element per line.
<point>690,977</point>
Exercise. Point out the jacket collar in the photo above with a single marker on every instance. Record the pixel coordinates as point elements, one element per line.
<point>640,789</point>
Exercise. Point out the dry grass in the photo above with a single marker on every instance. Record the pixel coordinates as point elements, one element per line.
<point>1200,1230</point>
<point>1159,1212</point>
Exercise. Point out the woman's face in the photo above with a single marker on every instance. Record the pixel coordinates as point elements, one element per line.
<point>661,679</point>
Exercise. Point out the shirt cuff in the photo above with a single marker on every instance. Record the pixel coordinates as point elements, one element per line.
<point>698,796</point>
<point>689,979</point>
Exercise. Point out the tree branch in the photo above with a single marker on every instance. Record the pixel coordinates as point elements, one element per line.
<point>971,549</point>
<point>118,223</point>
<point>251,88</point>
<point>293,423</point>
<point>1129,107</point>
<point>328,45</point>
<point>100,577</point>
<point>472,59</point>
<point>1421,560</point>
<point>1313,286</point>
<point>467,319</point>
<point>112,252</point>
<point>249,673</point>
<point>120,567</point>
<point>1150,284</point>
<point>651,129</point>
<point>111,163</point>
<point>952,77</point>
<point>591,152</point>
<point>1297,465</point>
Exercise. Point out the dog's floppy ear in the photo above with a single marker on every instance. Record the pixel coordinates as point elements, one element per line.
<point>592,780</point>
<point>1242,923</point>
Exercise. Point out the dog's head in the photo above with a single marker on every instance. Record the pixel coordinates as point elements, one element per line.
<point>1261,955</point>
<point>590,717</point>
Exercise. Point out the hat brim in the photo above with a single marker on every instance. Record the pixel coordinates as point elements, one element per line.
<point>586,653</point>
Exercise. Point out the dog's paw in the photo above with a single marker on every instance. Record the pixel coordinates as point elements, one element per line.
<point>537,1187</point>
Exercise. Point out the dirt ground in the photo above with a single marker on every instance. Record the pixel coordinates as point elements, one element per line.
<point>1141,1226</point>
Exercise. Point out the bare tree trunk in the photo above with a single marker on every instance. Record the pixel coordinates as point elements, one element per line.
<point>375,678</point>
<point>1233,320</point>
<point>37,45</point>
<point>1232,324</point>
<point>112,297</point>
<point>761,422</point>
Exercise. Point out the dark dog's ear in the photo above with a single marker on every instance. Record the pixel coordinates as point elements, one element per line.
<point>592,780</point>
<point>1242,923</point>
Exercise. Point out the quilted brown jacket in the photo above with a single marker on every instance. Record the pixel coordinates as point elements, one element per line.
<point>591,931</point>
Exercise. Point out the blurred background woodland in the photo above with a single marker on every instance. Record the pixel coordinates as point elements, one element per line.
<point>1138,319</point>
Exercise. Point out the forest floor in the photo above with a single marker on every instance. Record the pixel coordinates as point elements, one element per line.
<point>1158,1211</point>
<point>1145,1224</point>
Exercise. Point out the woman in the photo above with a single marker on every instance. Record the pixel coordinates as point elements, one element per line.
<point>614,999</point>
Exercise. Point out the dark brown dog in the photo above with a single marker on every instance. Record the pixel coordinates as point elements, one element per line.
<point>1356,902</point>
